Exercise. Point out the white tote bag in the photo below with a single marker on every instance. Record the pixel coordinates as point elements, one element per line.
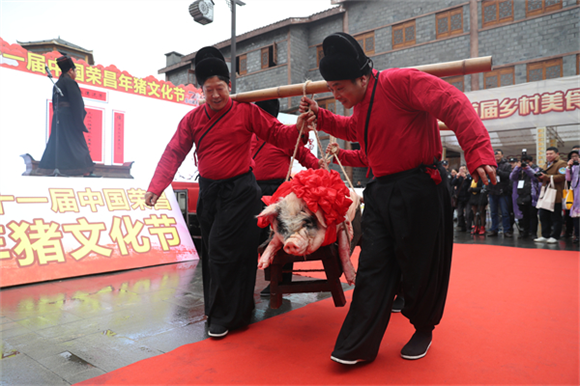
<point>547,198</point>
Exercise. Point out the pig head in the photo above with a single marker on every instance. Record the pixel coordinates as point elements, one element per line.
<point>300,232</point>
<point>296,229</point>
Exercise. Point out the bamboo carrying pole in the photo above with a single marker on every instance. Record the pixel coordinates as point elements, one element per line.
<point>459,67</point>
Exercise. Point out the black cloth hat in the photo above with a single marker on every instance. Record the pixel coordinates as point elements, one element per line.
<point>343,58</point>
<point>512,159</point>
<point>209,62</point>
<point>445,163</point>
<point>271,106</point>
<point>65,63</point>
<point>572,152</point>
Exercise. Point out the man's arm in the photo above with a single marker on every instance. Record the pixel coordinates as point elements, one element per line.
<point>172,157</point>
<point>273,131</point>
<point>336,125</point>
<point>428,93</point>
<point>306,158</point>
<point>354,158</point>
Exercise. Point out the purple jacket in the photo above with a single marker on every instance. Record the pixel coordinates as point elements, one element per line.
<point>574,179</point>
<point>515,176</point>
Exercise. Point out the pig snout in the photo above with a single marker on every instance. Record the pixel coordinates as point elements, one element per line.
<point>295,246</point>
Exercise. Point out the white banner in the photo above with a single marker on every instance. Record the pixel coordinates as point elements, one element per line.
<point>553,102</point>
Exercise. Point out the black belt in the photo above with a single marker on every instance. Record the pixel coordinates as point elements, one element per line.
<point>407,173</point>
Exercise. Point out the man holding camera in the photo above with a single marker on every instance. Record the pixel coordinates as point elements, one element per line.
<point>525,191</point>
<point>499,197</point>
<point>552,221</point>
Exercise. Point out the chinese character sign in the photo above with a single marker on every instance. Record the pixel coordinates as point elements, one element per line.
<point>54,228</point>
<point>15,57</point>
<point>118,137</point>
<point>528,105</point>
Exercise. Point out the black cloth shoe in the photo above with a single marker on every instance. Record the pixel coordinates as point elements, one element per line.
<point>492,234</point>
<point>265,293</point>
<point>418,346</point>
<point>398,304</point>
<point>508,234</point>
<point>217,331</point>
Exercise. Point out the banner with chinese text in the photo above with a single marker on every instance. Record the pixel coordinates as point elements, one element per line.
<point>551,102</point>
<point>17,58</point>
<point>57,227</point>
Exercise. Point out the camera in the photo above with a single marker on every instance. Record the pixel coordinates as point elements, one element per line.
<point>539,172</point>
<point>575,162</point>
<point>524,158</point>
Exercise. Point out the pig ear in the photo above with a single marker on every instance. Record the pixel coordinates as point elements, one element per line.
<point>267,216</point>
<point>320,218</point>
<point>270,210</point>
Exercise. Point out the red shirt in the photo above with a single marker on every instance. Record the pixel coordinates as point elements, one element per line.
<point>272,163</point>
<point>224,150</point>
<point>403,131</point>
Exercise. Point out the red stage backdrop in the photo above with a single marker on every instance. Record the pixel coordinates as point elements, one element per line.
<point>52,228</point>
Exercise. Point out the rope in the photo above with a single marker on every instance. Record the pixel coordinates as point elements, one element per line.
<point>322,152</point>
<point>300,135</point>
<point>333,154</point>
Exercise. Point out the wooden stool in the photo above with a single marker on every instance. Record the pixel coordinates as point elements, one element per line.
<point>331,262</point>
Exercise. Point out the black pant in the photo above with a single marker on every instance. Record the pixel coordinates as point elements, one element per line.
<point>529,219</point>
<point>551,222</point>
<point>461,214</point>
<point>407,230</point>
<point>227,212</point>
<point>269,187</point>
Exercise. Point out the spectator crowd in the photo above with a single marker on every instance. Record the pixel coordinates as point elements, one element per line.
<point>526,197</point>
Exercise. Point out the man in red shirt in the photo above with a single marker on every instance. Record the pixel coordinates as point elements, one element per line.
<point>229,198</point>
<point>271,167</point>
<point>407,221</point>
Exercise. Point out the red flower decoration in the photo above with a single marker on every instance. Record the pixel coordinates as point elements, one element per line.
<point>320,189</point>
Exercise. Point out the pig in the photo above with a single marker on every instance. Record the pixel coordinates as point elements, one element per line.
<point>299,231</point>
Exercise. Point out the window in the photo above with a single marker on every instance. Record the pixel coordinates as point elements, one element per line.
<point>496,11</point>
<point>457,81</point>
<point>328,104</point>
<point>449,23</point>
<point>242,64</point>
<point>499,78</point>
<point>404,34</point>
<point>319,55</point>
<point>367,42</point>
<point>268,56</point>
<point>537,7</point>
<point>548,69</point>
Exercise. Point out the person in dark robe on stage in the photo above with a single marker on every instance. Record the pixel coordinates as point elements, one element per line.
<point>271,167</point>
<point>407,221</point>
<point>67,152</point>
<point>229,197</point>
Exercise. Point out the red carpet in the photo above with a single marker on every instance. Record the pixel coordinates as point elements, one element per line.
<point>511,318</point>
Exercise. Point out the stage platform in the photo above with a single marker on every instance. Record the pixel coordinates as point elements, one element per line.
<point>67,331</point>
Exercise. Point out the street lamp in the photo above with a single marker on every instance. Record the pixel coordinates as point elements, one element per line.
<point>202,12</point>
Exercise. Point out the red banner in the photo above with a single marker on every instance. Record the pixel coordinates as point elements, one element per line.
<point>110,77</point>
<point>118,137</point>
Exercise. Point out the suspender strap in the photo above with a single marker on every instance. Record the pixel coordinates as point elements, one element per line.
<point>211,127</point>
<point>254,157</point>
<point>369,113</point>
